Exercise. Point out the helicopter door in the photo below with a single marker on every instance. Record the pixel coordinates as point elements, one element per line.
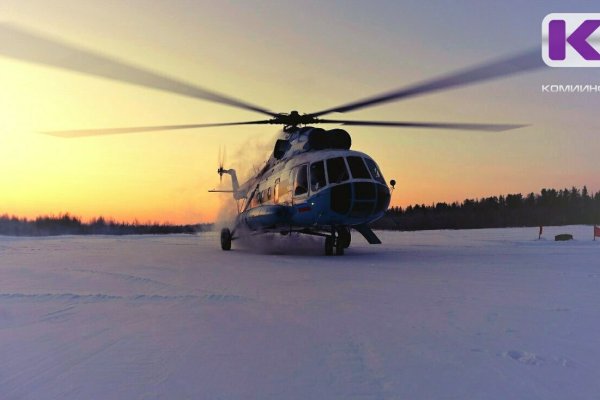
<point>300,191</point>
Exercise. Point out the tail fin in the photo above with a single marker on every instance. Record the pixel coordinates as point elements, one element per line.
<point>234,182</point>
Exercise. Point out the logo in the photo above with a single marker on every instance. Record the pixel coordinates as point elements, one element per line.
<point>571,40</point>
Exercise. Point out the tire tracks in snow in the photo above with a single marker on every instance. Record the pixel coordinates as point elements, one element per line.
<point>206,295</point>
<point>103,297</point>
<point>126,277</point>
<point>93,298</point>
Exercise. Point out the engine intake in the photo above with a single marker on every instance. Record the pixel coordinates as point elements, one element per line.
<point>320,139</point>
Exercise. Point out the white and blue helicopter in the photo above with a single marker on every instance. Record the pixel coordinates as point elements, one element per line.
<point>313,183</point>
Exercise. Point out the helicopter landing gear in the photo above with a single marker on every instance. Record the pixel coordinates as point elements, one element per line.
<point>339,247</point>
<point>344,236</point>
<point>337,241</point>
<point>226,239</point>
<point>329,245</point>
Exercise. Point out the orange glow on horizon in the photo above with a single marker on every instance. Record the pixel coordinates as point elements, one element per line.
<point>165,176</point>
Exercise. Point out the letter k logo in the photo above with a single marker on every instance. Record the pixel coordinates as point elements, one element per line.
<point>578,39</point>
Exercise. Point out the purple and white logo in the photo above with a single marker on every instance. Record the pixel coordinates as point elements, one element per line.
<point>571,40</point>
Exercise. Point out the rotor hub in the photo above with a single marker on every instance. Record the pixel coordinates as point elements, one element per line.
<point>294,118</point>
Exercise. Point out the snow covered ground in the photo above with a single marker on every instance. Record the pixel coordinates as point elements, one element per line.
<point>481,314</point>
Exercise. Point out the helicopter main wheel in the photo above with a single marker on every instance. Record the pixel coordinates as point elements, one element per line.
<point>225,239</point>
<point>329,242</point>
<point>339,246</point>
<point>344,236</point>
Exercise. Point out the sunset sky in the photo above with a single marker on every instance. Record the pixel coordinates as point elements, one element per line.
<point>288,55</point>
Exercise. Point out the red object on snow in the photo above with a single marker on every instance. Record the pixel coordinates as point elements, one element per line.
<point>596,231</point>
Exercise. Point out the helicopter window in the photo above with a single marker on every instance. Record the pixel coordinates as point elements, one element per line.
<point>336,170</point>
<point>301,186</point>
<point>374,170</point>
<point>269,193</point>
<point>317,176</point>
<point>357,168</point>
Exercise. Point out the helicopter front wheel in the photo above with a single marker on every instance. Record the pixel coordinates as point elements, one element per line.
<point>334,243</point>
<point>339,247</point>
<point>344,236</point>
<point>225,239</point>
<point>329,244</point>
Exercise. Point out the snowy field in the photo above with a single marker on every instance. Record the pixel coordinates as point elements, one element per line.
<point>481,314</point>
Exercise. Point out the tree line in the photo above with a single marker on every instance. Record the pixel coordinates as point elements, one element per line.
<point>549,207</point>
<point>66,224</point>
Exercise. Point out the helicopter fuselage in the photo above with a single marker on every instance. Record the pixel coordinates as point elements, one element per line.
<point>312,188</point>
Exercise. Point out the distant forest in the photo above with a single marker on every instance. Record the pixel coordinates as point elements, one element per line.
<point>550,207</point>
<point>68,225</point>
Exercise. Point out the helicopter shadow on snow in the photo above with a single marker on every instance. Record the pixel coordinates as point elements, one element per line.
<point>312,247</point>
<point>297,245</point>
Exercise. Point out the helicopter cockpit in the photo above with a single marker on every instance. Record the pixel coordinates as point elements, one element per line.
<point>335,170</point>
<point>357,185</point>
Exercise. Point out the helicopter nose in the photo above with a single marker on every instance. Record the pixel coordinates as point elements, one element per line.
<point>360,199</point>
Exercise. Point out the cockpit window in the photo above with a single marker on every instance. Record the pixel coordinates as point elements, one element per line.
<point>374,170</point>
<point>317,176</point>
<point>301,186</point>
<point>336,170</point>
<point>357,168</point>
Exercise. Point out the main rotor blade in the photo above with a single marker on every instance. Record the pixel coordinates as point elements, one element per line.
<point>503,67</point>
<point>116,131</point>
<point>21,44</point>
<point>431,125</point>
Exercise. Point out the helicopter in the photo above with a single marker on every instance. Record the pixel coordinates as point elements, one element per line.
<point>313,183</point>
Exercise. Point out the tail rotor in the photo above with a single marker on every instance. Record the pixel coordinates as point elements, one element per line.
<point>221,162</point>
